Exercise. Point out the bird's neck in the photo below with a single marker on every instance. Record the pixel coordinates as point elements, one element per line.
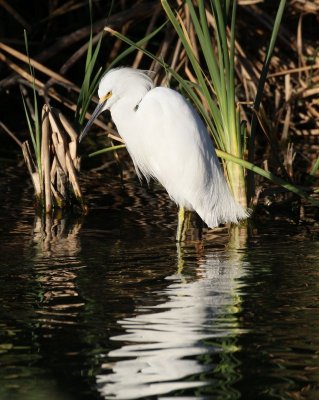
<point>124,110</point>
<point>122,114</point>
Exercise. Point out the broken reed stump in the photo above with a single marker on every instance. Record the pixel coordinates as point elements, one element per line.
<point>55,184</point>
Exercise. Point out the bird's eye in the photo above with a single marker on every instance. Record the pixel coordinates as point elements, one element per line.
<point>105,97</point>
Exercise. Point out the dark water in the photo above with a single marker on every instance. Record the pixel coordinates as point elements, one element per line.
<point>109,307</point>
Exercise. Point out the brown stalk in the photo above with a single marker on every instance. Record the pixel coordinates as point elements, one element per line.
<point>289,159</point>
<point>78,55</point>
<point>14,14</point>
<point>58,143</point>
<point>162,52</point>
<point>26,97</point>
<point>11,134</point>
<point>66,8</point>
<point>305,92</point>
<point>72,176</point>
<point>294,70</point>
<point>150,27</point>
<point>35,64</point>
<point>45,158</point>
<point>313,111</point>
<point>118,43</point>
<point>305,6</point>
<point>73,136</point>
<point>117,138</point>
<point>53,169</point>
<point>301,60</point>
<point>20,71</point>
<point>57,196</point>
<point>287,120</point>
<point>30,165</point>
<point>60,178</point>
<point>174,60</point>
<point>66,125</point>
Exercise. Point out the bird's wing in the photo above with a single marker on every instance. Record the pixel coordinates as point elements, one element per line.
<point>178,150</point>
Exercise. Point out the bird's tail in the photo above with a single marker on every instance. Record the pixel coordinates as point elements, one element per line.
<point>219,206</point>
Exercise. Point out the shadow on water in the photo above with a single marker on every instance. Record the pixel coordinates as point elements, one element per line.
<point>109,307</point>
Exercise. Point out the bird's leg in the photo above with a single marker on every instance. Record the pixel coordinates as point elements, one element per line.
<point>180,224</point>
<point>183,224</point>
<point>180,257</point>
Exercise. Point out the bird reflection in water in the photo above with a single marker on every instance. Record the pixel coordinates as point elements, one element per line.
<point>164,346</point>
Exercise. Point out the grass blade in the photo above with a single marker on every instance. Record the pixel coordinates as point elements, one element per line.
<point>107,149</point>
<point>268,175</point>
<point>315,168</point>
<point>35,136</point>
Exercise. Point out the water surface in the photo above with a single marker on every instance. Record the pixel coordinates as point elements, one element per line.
<point>108,306</point>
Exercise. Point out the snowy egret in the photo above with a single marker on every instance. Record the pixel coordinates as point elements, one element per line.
<point>168,141</point>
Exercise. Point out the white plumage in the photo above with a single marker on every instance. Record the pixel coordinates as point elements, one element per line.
<point>168,141</point>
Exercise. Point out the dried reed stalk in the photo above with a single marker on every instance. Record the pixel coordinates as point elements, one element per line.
<point>45,156</point>
<point>27,155</point>
<point>56,185</point>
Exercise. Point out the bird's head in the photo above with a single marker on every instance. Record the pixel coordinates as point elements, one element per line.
<point>114,85</point>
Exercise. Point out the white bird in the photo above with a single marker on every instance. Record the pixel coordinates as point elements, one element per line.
<point>168,141</point>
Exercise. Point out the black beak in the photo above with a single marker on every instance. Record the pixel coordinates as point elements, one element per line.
<point>95,114</point>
